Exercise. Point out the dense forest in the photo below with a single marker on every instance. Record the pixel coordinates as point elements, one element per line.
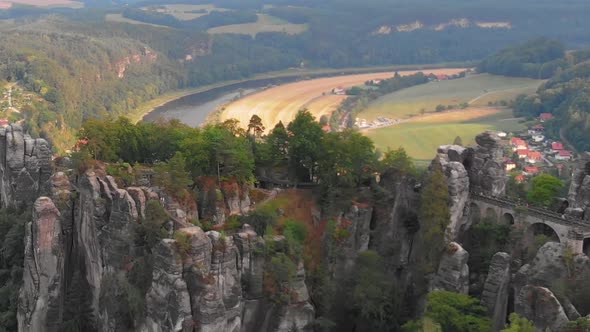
<point>78,66</point>
<point>539,58</point>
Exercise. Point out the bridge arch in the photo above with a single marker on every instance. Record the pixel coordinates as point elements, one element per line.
<point>508,218</point>
<point>542,229</point>
<point>586,245</point>
<point>475,213</point>
<point>491,215</point>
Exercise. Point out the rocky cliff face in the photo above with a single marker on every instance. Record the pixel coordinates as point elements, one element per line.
<point>476,169</point>
<point>83,259</point>
<point>579,191</point>
<point>25,167</point>
<point>453,272</point>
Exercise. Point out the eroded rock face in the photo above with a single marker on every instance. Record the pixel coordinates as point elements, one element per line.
<point>40,298</point>
<point>579,191</point>
<point>539,305</point>
<point>168,301</point>
<point>495,292</point>
<point>484,165</point>
<point>356,221</point>
<point>451,158</point>
<point>25,167</point>
<point>453,272</point>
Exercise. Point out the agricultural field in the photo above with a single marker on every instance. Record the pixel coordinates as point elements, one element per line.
<point>119,18</point>
<point>422,135</point>
<point>42,3</point>
<point>185,12</point>
<point>265,23</point>
<point>477,90</point>
<point>282,103</point>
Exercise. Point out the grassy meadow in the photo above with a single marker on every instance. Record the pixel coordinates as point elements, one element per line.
<point>477,90</point>
<point>423,135</point>
<point>265,23</point>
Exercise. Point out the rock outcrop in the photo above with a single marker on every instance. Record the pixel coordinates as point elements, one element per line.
<point>484,165</point>
<point>453,272</point>
<point>40,301</point>
<point>539,305</point>
<point>533,284</point>
<point>451,158</point>
<point>82,254</point>
<point>495,291</point>
<point>167,301</point>
<point>25,167</point>
<point>579,191</point>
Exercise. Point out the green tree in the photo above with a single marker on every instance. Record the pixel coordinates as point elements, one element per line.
<point>173,176</point>
<point>434,216</point>
<point>398,160</point>
<point>457,312</point>
<point>278,139</point>
<point>374,302</point>
<point>458,141</point>
<point>544,190</point>
<point>305,145</point>
<point>519,324</point>
<point>440,108</point>
<point>255,126</point>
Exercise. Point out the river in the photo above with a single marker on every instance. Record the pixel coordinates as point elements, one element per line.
<point>194,109</point>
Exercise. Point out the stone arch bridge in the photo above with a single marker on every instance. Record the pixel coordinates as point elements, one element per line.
<point>571,231</point>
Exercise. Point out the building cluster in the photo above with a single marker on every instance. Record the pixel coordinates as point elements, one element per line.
<point>533,153</point>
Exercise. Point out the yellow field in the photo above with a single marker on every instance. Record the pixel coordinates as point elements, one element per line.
<point>119,18</point>
<point>265,23</point>
<point>183,11</point>
<point>325,105</point>
<point>283,102</point>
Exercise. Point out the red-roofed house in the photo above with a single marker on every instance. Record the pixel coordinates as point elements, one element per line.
<point>4,122</point>
<point>442,77</point>
<point>518,144</point>
<point>327,128</point>
<point>556,146</point>
<point>563,155</point>
<point>538,128</point>
<point>534,157</point>
<point>519,178</point>
<point>545,116</point>
<point>531,170</point>
<point>522,153</point>
<point>509,165</point>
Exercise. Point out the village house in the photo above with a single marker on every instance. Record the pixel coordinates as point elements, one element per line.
<point>522,153</point>
<point>509,165</point>
<point>520,178</point>
<point>563,155</point>
<point>538,138</point>
<point>501,134</point>
<point>531,170</point>
<point>518,144</point>
<point>545,116</point>
<point>556,147</point>
<point>534,157</point>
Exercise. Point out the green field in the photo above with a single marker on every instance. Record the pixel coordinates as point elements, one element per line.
<point>422,138</point>
<point>265,23</point>
<point>477,88</point>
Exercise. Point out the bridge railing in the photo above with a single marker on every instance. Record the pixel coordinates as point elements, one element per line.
<point>531,210</point>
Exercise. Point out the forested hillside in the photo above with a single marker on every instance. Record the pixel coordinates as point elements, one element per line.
<point>565,94</point>
<point>74,65</point>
